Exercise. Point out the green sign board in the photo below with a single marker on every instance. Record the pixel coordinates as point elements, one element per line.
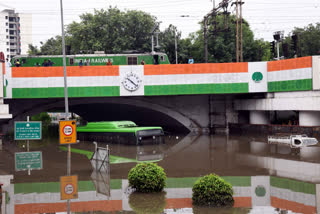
<point>27,130</point>
<point>28,160</point>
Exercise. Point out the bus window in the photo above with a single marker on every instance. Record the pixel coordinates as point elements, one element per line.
<point>132,60</point>
<point>23,61</point>
<point>155,59</point>
<point>71,61</point>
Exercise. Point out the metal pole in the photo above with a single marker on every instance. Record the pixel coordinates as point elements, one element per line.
<point>176,46</point>
<point>205,39</point>
<point>241,54</point>
<point>278,54</point>
<point>65,95</point>
<point>28,119</point>
<point>152,44</point>
<point>237,32</point>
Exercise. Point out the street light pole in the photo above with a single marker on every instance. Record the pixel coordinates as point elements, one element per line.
<point>65,95</point>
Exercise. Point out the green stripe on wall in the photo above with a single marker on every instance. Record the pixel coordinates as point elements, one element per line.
<point>295,186</point>
<point>290,85</point>
<point>224,88</point>
<point>238,181</point>
<point>83,186</point>
<point>54,92</point>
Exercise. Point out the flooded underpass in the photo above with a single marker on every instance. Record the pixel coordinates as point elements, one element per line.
<point>266,178</point>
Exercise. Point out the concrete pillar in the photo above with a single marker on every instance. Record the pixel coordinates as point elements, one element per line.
<point>309,118</point>
<point>259,117</point>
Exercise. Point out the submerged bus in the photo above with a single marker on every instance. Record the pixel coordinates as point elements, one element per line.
<point>125,132</point>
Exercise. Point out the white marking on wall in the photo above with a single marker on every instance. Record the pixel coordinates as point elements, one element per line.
<point>55,197</point>
<point>294,74</point>
<point>44,82</point>
<point>260,86</point>
<point>316,72</point>
<point>180,79</point>
<point>137,70</point>
<point>8,78</point>
<point>262,182</point>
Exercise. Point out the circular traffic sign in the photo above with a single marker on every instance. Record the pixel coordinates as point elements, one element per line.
<point>67,130</point>
<point>68,189</point>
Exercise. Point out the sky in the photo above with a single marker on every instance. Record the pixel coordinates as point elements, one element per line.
<point>264,17</point>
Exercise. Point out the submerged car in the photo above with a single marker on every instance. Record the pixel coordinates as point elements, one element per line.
<point>119,132</point>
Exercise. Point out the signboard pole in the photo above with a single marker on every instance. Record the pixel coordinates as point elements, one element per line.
<point>27,140</point>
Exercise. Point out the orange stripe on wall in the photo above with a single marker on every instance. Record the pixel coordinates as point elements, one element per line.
<point>292,205</point>
<point>178,203</point>
<point>3,68</point>
<point>114,205</point>
<point>204,68</point>
<point>303,62</point>
<point>242,202</point>
<point>72,71</point>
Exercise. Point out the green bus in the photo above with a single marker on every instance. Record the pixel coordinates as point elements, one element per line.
<point>126,132</point>
<point>90,59</point>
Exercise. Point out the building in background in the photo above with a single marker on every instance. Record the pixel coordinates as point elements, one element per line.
<point>15,33</point>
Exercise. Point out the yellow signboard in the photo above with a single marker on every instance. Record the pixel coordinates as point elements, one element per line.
<point>68,132</point>
<point>68,187</point>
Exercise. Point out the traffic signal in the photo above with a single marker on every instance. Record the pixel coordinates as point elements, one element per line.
<point>294,38</point>
<point>285,50</point>
<point>272,47</point>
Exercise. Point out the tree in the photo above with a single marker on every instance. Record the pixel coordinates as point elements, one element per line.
<point>111,31</point>
<point>222,43</point>
<point>52,46</point>
<point>33,50</point>
<point>308,40</point>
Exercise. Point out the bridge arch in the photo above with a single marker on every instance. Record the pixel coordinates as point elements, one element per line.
<point>81,107</point>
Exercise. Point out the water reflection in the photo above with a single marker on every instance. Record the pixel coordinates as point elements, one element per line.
<point>143,203</point>
<point>289,178</point>
<point>255,194</point>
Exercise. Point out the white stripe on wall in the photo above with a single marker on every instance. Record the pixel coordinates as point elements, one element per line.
<point>44,82</point>
<point>299,197</point>
<point>294,74</point>
<point>54,197</point>
<point>180,79</point>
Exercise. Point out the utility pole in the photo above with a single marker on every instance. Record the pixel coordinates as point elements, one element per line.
<point>237,32</point>
<point>176,45</point>
<point>241,35</point>
<point>205,39</point>
<point>222,5</point>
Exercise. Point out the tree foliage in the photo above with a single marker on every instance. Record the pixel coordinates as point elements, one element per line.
<point>111,31</point>
<point>115,31</point>
<point>212,190</point>
<point>147,177</point>
<point>308,40</point>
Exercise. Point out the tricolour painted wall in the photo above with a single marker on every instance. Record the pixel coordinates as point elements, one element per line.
<point>182,79</point>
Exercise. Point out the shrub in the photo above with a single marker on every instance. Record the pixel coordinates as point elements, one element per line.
<point>148,203</point>
<point>211,190</point>
<point>147,177</point>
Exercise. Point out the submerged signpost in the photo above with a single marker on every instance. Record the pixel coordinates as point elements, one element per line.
<point>26,130</point>
<point>28,161</point>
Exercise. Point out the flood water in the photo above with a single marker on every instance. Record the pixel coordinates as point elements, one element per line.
<point>266,178</point>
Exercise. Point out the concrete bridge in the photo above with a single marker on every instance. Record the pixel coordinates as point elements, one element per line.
<point>195,97</point>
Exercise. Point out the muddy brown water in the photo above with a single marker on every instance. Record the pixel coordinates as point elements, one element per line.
<point>183,157</point>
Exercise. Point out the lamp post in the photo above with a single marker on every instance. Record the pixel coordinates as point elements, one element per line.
<point>66,104</point>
